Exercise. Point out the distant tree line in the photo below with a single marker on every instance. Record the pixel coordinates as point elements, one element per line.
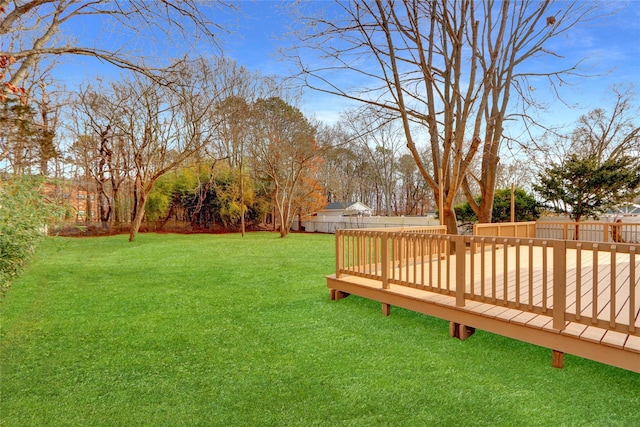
<point>167,157</point>
<point>204,142</point>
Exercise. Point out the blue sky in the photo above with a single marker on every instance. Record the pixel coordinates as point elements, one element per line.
<point>610,46</point>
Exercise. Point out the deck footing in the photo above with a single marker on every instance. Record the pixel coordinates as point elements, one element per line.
<point>460,331</point>
<point>386,309</point>
<point>337,294</point>
<point>557,359</point>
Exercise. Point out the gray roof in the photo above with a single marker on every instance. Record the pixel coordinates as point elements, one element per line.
<point>338,206</point>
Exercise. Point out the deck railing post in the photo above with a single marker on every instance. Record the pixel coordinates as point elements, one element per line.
<point>461,264</point>
<point>559,283</point>
<point>385,260</point>
<point>339,250</point>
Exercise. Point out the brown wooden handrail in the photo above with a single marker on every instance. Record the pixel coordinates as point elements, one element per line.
<point>541,276</point>
<point>617,232</point>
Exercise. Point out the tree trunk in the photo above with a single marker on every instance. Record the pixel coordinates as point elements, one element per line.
<point>141,200</point>
<point>284,229</point>
<point>104,207</point>
<point>450,220</point>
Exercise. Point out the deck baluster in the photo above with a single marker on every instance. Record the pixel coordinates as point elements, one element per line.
<point>385,261</point>
<point>632,289</point>
<point>530,244</point>
<point>460,269</point>
<point>517,299</point>
<point>559,284</point>
<point>472,265</point>
<point>578,281</point>
<point>339,253</point>
<point>594,295</point>
<point>482,268</point>
<point>493,270</point>
<point>612,301</point>
<point>505,273</point>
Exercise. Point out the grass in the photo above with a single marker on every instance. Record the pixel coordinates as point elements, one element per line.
<point>217,330</point>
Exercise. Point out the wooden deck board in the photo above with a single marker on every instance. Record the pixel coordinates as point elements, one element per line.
<point>523,318</point>
<point>633,344</point>
<point>540,322</point>
<point>593,334</point>
<point>508,315</point>
<point>615,339</point>
<point>574,329</point>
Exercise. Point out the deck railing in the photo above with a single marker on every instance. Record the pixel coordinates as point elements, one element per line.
<point>615,232</point>
<point>590,283</point>
<point>379,253</point>
<point>492,275</point>
<point>505,229</point>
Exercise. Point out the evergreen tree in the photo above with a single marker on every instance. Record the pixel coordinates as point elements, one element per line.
<point>583,187</point>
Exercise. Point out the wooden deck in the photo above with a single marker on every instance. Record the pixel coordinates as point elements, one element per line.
<point>581,298</point>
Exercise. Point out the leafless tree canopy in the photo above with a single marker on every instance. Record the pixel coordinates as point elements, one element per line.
<point>31,31</point>
<point>608,132</point>
<point>451,67</point>
<point>142,129</point>
<point>613,133</point>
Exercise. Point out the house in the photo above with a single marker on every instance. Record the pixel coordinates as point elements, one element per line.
<point>628,213</point>
<point>81,203</point>
<point>346,209</point>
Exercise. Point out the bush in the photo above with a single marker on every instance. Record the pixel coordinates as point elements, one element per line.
<point>527,208</point>
<point>24,215</point>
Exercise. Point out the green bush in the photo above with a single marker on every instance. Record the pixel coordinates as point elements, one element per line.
<point>527,208</point>
<point>24,215</point>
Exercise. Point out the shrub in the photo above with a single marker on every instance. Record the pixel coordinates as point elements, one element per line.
<point>24,215</point>
<point>527,208</point>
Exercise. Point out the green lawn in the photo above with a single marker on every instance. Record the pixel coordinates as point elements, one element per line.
<point>217,330</point>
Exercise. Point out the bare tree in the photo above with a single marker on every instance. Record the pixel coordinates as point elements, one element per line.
<point>414,198</point>
<point>151,127</point>
<point>286,156</point>
<point>165,126</point>
<point>609,134</point>
<point>33,30</point>
<point>340,161</point>
<point>100,149</point>
<point>518,172</point>
<point>450,67</point>
<point>380,139</point>
<point>237,88</point>
<point>47,99</point>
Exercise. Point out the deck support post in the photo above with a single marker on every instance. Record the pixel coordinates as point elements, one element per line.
<point>557,359</point>
<point>386,309</point>
<point>462,332</point>
<point>337,295</point>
